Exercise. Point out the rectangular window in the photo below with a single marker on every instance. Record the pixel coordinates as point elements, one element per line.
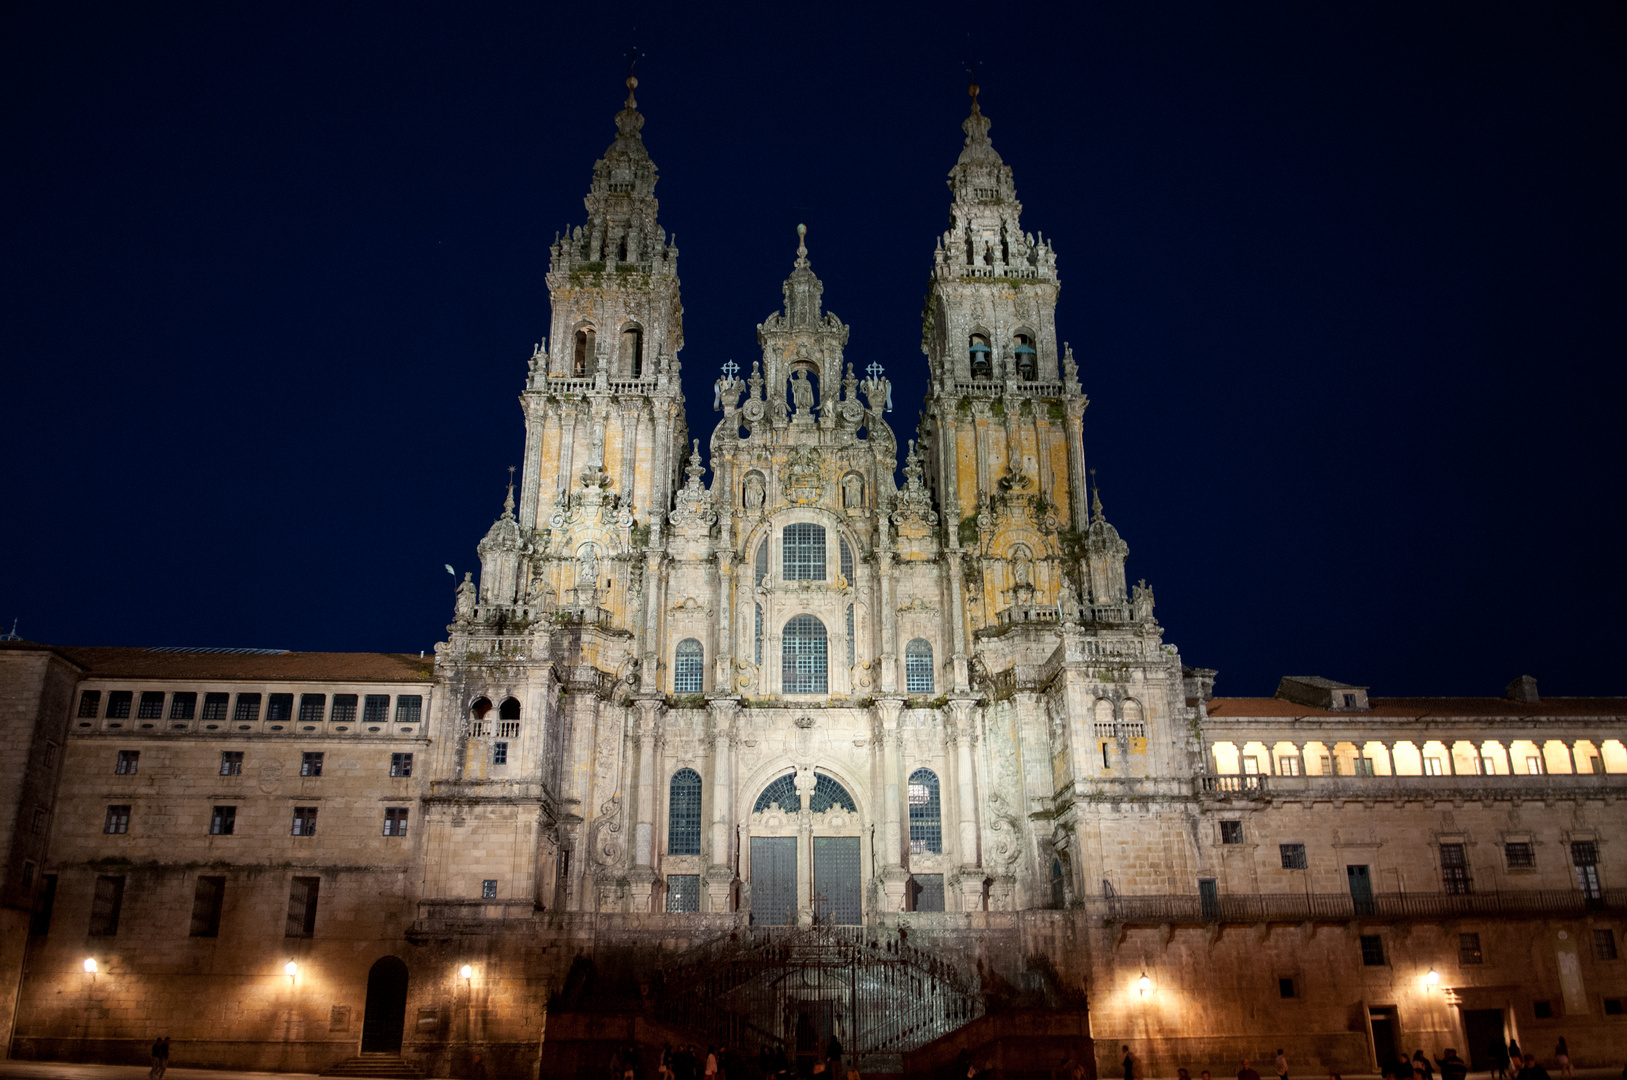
<point>925,892</point>
<point>310,763</point>
<point>488,889</point>
<point>1286,988</point>
<point>409,708</point>
<point>683,892</point>
<point>1469,949</point>
<point>207,898</point>
<point>126,765</point>
<point>1231,832</point>
<point>1533,766</point>
<point>214,706</point>
<point>1372,950</point>
<point>1251,766</point>
<point>280,709</point>
<point>1434,766</point>
<point>1366,767</point>
<point>1488,765</point>
<point>1542,1010</point>
<point>248,708</point>
<point>1293,856</point>
<point>376,709</point>
<point>118,820</point>
<point>1585,857</point>
<point>40,818</point>
<point>118,705</point>
<point>231,763</point>
<point>1520,855</point>
<point>1454,870</point>
<point>499,753</point>
<point>1604,945</point>
<point>39,920</point>
<point>223,821</point>
<point>105,905</point>
<point>400,764</point>
<point>1288,766</point>
<point>304,821</point>
<point>312,707</point>
<point>152,705</point>
<point>90,703</point>
<point>302,906</point>
<point>1612,1006</point>
<point>183,705</point>
<point>804,549</point>
<point>395,821</point>
<point>344,709</point>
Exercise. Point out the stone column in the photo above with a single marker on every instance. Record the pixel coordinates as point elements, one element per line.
<point>648,738</point>
<point>957,618</point>
<point>949,450</point>
<point>723,653</point>
<point>968,877</point>
<point>980,427</point>
<point>894,878</point>
<point>530,482</point>
<point>886,646</point>
<point>1078,497</point>
<point>567,445</point>
<point>720,874</point>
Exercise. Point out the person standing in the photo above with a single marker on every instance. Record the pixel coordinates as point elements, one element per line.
<point>1421,1066</point>
<point>160,1058</point>
<point>1247,1072</point>
<point>1129,1065</point>
<point>1530,1070</point>
<point>1282,1065</point>
<point>1562,1054</point>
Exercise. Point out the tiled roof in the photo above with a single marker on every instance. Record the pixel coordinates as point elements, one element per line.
<point>1410,708</point>
<point>119,662</point>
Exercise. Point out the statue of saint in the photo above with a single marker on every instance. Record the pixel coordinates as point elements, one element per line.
<point>852,491</point>
<point>464,606</point>
<point>587,565</point>
<point>754,491</point>
<point>802,391</point>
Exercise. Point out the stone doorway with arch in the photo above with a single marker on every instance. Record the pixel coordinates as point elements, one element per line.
<point>385,1017</point>
<point>806,853</point>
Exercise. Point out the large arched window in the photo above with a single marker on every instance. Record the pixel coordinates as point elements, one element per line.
<point>829,794</point>
<point>582,358</point>
<point>781,793</point>
<point>684,813</point>
<point>918,667</point>
<point>926,814</point>
<point>804,545</point>
<point>686,667</point>
<point>847,559</point>
<point>803,663</point>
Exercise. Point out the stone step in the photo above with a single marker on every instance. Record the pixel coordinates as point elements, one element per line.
<point>375,1067</point>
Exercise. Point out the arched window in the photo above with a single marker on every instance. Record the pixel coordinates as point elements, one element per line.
<point>757,635</point>
<point>828,793</point>
<point>979,352</point>
<point>926,814</point>
<point>804,552</point>
<point>803,663</point>
<point>918,667</point>
<point>1027,358</point>
<point>583,356</point>
<point>684,813</point>
<point>632,351</point>
<point>781,793</point>
<point>847,560</point>
<point>762,561</point>
<point>478,725</point>
<point>480,708</point>
<point>509,710</point>
<point>686,667</point>
<point>508,719</point>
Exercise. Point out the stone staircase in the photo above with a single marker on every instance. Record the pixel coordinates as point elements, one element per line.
<point>376,1066</point>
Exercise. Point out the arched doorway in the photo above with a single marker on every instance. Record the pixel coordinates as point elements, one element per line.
<point>386,1013</point>
<point>823,878</point>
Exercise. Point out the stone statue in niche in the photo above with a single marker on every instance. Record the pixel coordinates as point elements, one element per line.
<point>587,565</point>
<point>852,492</point>
<point>754,491</point>
<point>802,392</point>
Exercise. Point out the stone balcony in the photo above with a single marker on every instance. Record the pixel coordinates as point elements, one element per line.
<point>1540,786</point>
<point>1254,908</point>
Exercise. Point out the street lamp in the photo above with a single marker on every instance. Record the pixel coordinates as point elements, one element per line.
<point>466,972</point>
<point>1433,978</point>
<point>1144,984</point>
<point>90,965</point>
<point>292,969</point>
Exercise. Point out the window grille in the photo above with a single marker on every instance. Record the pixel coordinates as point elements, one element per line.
<point>376,709</point>
<point>302,896</point>
<point>1520,855</point>
<point>1293,856</point>
<point>206,904</point>
<point>304,821</point>
<point>409,707</point>
<point>1604,945</point>
<point>1231,832</point>
<point>827,793</point>
<point>926,813</point>
<point>1469,949</point>
<point>757,631</point>
<point>182,705</point>
<point>214,706</point>
<point>281,708</point>
<point>312,707</point>
<point>803,664</point>
<point>344,709</point>
<point>687,676</point>
<point>128,762</point>
<point>488,889</point>
<point>847,560</point>
<point>117,821</point>
<point>395,821</point>
<point>223,821</point>
<point>90,703</point>
<point>850,635</point>
<point>400,764</point>
<point>1372,950</point>
<point>231,763</point>
<point>684,813</point>
<point>310,764</point>
<point>918,667</point>
<point>804,545</point>
<point>1454,870</point>
<point>1585,857</point>
<point>105,905</point>
<point>499,753</point>
<point>118,705</point>
<point>782,793</point>
<point>152,705</point>
<point>683,892</point>
<point>762,563</point>
<point>248,708</point>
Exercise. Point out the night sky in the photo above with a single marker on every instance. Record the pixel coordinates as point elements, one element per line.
<point>1346,284</point>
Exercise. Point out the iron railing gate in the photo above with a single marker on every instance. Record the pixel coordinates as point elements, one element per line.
<point>795,987</point>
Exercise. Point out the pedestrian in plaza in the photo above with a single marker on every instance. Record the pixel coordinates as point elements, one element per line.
<point>1530,1070</point>
<point>1282,1065</point>
<point>160,1058</point>
<point>1247,1072</point>
<point>1421,1066</point>
<point>477,1069</point>
<point>1452,1066</point>
<point>1499,1060</point>
<point>1562,1054</point>
<point>1516,1059</point>
<point>711,1063</point>
<point>1204,1075</point>
<point>1182,1074</point>
<point>1403,1068</point>
<point>1129,1065</point>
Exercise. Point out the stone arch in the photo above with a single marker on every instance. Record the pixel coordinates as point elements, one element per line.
<point>768,772</point>
<point>583,345</point>
<point>631,349</point>
<point>509,709</point>
<point>1025,354</point>
<point>479,707</point>
<point>384,1017</point>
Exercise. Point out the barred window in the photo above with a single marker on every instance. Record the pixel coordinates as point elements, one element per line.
<point>683,892</point>
<point>926,814</point>
<point>762,562</point>
<point>782,793</point>
<point>803,663</point>
<point>344,709</point>
<point>1231,832</point>
<point>117,821</point>
<point>248,708</point>
<point>499,753</point>
<point>684,813</point>
<point>918,667</point>
<point>1604,945</point>
<point>847,559</point>
<point>1372,950</point>
<point>128,761</point>
<point>231,763</point>
<point>90,703</point>
<point>395,821</point>
<point>1454,870</point>
<point>850,635</point>
<point>400,764</point>
<point>1469,949</point>
<point>757,632</point>
<point>304,821</point>
<point>1293,856</point>
<point>152,705</point>
<point>105,905</point>
<point>409,707</point>
<point>687,676</point>
<point>488,889</point>
<point>281,708</point>
<point>1519,854</point>
<point>310,764</point>
<point>376,709</point>
<point>183,704</point>
<point>312,707</point>
<point>804,545</point>
<point>214,706</point>
<point>223,821</point>
<point>828,793</point>
<point>302,896</point>
<point>118,705</point>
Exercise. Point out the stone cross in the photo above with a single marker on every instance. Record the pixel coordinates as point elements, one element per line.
<point>874,370</point>
<point>730,370</point>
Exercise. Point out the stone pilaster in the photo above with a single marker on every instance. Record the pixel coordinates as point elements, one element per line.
<point>894,877</point>
<point>720,873</point>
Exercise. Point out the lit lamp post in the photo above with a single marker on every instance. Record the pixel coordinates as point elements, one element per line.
<point>90,965</point>
<point>467,974</point>
<point>1144,984</point>
<point>292,971</point>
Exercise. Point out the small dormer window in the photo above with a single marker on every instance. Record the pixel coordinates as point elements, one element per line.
<point>1027,358</point>
<point>979,353</point>
<point>1350,701</point>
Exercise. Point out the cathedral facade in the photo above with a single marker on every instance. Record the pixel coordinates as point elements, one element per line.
<point>674,716</point>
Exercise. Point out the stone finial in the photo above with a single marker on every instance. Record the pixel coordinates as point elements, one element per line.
<point>802,245</point>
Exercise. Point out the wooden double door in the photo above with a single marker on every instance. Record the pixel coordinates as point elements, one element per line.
<point>835,886</point>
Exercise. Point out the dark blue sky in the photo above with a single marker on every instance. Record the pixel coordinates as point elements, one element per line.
<point>1346,282</point>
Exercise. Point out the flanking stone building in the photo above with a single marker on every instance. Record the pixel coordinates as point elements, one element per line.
<point>795,753</point>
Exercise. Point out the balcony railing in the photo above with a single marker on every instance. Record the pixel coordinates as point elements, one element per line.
<point>1195,909</point>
